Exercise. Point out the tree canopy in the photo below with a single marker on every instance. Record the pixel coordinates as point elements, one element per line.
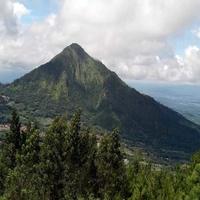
<point>69,162</point>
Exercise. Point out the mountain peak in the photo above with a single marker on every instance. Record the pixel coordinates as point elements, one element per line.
<point>76,49</point>
<point>75,46</point>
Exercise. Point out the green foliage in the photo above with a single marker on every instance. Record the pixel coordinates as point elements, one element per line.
<point>110,168</point>
<point>194,182</point>
<point>13,142</point>
<point>53,160</point>
<point>3,173</point>
<point>23,182</point>
<point>77,159</point>
<point>12,145</point>
<point>68,162</point>
<point>196,157</point>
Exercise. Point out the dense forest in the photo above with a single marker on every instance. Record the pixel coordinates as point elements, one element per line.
<point>70,161</point>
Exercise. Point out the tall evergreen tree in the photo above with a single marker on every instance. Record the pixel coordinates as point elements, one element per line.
<point>23,182</point>
<point>54,160</point>
<point>11,146</point>
<point>13,142</point>
<point>73,162</point>
<point>80,168</point>
<point>15,127</point>
<point>88,170</point>
<point>111,168</point>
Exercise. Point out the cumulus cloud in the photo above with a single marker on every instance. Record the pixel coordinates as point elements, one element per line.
<point>196,32</point>
<point>20,10</point>
<point>8,23</point>
<point>184,68</point>
<point>130,37</point>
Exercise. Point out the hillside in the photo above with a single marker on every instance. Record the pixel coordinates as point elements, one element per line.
<point>73,79</point>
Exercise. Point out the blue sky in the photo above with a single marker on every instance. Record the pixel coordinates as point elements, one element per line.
<point>39,9</point>
<point>184,39</point>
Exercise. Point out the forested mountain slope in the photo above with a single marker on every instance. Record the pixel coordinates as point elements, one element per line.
<point>73,79</point>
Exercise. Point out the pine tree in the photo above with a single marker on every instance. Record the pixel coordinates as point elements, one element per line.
<point>54,159</point>
<point>88,169</point>
<point>13,142</point>
<point>80,168</point>
<point>15,128</point>
<point>110,168</point>
<point>73,162</point>
<point>23,182</point>
<point>11,146</point>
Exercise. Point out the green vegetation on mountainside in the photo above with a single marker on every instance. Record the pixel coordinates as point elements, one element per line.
<point>74,80</point>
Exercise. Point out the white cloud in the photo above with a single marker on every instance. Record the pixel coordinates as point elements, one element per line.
<point>196,32</point>
<point>20,10</point>
<point>130,37</point>
<point>8,23</point>
<point>184,68</point>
